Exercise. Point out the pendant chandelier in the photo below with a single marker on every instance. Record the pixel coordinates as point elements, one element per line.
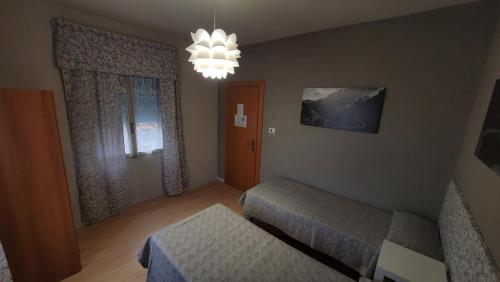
<point>214,55</point>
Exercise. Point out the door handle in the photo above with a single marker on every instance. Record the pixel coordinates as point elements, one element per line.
<point>252,144</point>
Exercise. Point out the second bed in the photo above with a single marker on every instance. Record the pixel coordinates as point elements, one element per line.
<point>346,230</point>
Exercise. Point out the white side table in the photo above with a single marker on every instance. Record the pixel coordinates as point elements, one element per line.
<point>404,265</point>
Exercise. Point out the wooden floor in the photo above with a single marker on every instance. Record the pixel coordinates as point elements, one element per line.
<point>109,249</point>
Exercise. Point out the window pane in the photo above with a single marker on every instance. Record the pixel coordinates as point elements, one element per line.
<point>147,116</point>
<point>125,119</point>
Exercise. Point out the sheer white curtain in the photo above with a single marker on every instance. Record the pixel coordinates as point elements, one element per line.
<point>141,115</point>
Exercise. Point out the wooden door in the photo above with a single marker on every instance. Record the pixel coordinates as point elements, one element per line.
<point>36,225</point>
<point>243,141</point>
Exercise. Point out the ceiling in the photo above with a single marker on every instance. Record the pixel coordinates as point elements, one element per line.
<point>253,20</point>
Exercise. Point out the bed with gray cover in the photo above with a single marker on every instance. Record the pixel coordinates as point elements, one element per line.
<point>4,267</point>
<point>217,244</point>
<point>347,230</point>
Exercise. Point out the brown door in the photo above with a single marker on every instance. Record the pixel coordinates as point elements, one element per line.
<point>36,226</point>
<point>243,133</point>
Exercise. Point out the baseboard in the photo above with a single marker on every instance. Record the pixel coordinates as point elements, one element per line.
<point>78,225</point>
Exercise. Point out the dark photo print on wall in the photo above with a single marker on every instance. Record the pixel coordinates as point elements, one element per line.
<point>488,145</point>
<point>355,109</point>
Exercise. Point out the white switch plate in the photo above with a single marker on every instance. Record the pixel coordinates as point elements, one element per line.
<point>272,130</point>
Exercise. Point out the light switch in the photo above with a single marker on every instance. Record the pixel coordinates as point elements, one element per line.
<point>272,130</point>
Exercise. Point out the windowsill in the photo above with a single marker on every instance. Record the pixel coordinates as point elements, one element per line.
<point>143,154</point>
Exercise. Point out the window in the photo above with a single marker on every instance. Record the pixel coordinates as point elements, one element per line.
<point>141,116</point>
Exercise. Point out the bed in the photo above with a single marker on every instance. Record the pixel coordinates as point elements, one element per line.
<point>4,267</point>
<point>217,244</point>
<point>348,231</point>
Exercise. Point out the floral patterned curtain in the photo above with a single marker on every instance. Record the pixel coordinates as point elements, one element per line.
<point>91,62</point>
<point>94,114</point>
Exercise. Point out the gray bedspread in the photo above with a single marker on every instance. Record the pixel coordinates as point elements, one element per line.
<point>416,233</point>
<point>4,267</point>
<point>344,229</point>
<point>217,244</point>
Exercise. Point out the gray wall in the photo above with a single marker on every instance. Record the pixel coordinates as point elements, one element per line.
<point>26,62</point>
<point>430,64</point>
<point>480,185</point>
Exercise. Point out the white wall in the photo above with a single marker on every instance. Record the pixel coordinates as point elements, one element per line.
<point>26,62</point>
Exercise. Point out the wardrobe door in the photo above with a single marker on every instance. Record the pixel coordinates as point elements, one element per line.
<point>36,226</point>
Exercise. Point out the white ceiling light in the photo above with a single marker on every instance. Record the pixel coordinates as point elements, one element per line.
<point>214,55</point>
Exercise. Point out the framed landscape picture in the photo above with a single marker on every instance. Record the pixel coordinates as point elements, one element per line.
<point>488,145</point>
<point>355,109</point>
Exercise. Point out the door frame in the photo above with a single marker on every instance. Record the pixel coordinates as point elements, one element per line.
<point>229,120</point>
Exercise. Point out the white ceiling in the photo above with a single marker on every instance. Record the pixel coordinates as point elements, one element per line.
<point>253,20</point>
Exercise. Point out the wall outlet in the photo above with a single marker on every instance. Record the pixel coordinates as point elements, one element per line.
<point>272,130</point>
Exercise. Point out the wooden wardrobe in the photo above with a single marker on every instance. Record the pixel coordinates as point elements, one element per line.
<point>36,225</point>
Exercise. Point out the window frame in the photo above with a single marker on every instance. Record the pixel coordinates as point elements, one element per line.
<point>131,126</point>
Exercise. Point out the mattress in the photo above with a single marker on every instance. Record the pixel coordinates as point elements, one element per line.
<point>349,231</point>
<point>217,244</point>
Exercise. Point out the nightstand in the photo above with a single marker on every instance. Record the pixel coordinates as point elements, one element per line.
<point>404,265</point>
